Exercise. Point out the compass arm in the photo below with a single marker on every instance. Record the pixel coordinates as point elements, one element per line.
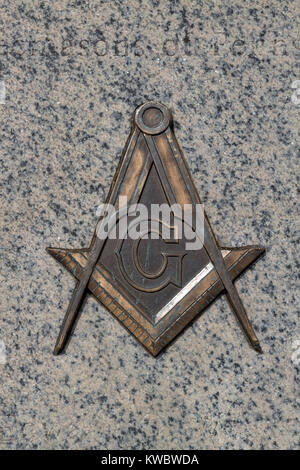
<point>235,301</point>
<point>77,299</point>
<point>94,253</point>
<point>213,250</point>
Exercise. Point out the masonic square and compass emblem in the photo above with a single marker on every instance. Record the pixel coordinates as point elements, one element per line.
<point>144,269</point>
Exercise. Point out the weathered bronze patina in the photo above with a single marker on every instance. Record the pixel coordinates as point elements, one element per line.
<point>154,300</point>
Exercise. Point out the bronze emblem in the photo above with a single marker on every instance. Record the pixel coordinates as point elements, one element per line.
<point>152,284</point>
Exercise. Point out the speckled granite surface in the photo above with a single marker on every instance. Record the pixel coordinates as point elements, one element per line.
<point>71,87</point>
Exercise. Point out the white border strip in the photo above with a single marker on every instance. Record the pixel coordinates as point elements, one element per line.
<point>178,297</point>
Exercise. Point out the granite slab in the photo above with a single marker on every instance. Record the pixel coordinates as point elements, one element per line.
<point>71,74</point>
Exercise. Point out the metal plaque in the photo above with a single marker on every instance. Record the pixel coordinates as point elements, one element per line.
<point>152,284</point>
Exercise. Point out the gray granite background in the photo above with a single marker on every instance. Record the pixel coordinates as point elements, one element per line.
<point>227,71</point>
